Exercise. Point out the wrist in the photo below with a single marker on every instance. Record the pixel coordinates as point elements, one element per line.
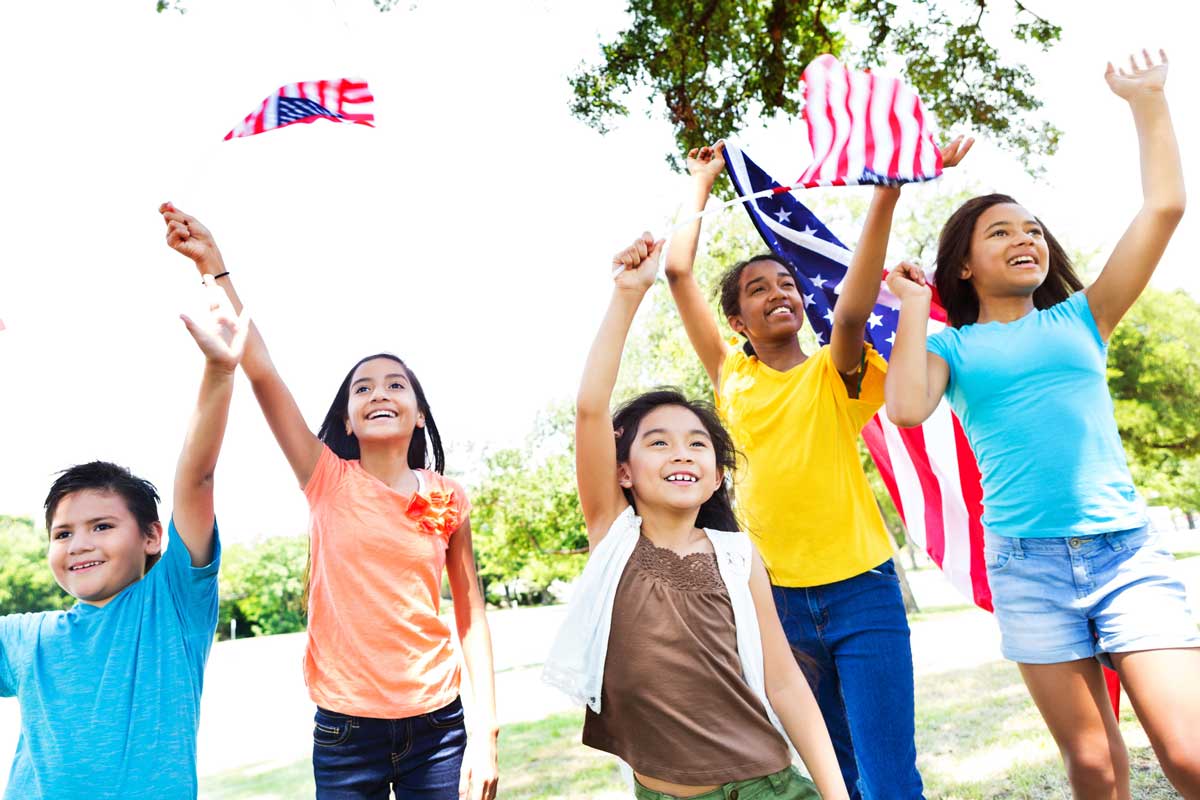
<point>212,264</point>
<point>219,370</point>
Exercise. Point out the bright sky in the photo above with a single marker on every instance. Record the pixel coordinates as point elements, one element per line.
<point>469,232</point>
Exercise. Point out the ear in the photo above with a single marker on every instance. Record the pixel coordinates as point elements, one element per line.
<point>420,420</point>
<point>737,324</point>
<point>152,540</point>
<point>346,420</point>
<point>624,476</point>
<point>720,480</point>
<point>964,272</point>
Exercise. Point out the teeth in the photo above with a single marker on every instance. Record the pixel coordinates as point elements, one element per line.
<point>378,414</point>
<point>84,566</point>
<point>681,478</point>
<point>1020,260</point>
<point>784,309</point>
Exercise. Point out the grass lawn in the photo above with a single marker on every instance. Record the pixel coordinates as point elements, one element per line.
<point>978,735</point>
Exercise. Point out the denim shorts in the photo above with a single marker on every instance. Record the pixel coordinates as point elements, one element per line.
<point>1068,598</point>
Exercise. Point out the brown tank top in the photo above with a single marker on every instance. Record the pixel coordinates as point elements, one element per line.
<point>674,704</point>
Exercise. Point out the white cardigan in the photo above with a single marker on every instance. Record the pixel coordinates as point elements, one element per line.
<point>575,664</point>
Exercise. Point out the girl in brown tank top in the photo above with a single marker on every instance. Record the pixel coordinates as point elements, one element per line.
<point>688,709</point>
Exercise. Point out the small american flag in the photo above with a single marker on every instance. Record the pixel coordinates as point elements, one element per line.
<point>929,471</point>
<point>342,100</point>
<point>865,128</point>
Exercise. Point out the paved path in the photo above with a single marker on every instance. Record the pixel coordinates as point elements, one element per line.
<point>256,710</point>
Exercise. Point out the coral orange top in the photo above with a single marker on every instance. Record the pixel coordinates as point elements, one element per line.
<point>376,647</point>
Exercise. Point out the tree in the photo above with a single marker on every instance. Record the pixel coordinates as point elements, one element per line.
<point>1154,377</point>
<point>262,586</point>
<point>26,582</point>
<point>717,64</point>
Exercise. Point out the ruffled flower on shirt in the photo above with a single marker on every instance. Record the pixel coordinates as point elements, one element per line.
<point>435,513</point>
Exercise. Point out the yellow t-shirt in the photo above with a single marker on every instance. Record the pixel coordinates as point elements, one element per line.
<point>802,493</point>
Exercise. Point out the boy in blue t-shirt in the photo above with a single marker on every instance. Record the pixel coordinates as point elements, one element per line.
<point>110,690</point>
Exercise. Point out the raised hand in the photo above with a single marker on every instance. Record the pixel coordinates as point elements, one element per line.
<point>907,280</point>
<point>636,266</point>
<point>221,335</point>
<point>707,163</point>
<point>1139,80</point>
<point>186,235</point>
<point>956,151</point>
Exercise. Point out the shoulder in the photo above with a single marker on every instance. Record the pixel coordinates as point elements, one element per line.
<point>327,473</point>
<point>945,342</point>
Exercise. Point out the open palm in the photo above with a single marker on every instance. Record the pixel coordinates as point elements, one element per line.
<point>220,334</point>
<point>1138,80</point>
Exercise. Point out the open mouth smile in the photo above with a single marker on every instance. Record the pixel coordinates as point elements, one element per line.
<point>381,414</point>
<point>86,565</point>
<point>681,477</point>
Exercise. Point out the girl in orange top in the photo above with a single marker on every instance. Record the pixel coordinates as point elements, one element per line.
<point>379,662</point>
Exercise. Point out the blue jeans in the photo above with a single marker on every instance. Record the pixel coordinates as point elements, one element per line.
<point>856,632</point>
<point>362,758</point>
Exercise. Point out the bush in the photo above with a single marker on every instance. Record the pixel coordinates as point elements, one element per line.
<point>262,587</point>
<point>26,582</point>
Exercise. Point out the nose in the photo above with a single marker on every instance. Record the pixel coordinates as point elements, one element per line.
<point>80,543</point>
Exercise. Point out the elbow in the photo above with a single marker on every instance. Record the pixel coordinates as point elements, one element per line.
<point>903,417</point>
<point>1170,210</point>
<point>849,321</point>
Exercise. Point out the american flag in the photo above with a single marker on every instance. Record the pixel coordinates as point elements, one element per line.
<point>865,128</point>
<point>342,100</point>
<point>929,471</point>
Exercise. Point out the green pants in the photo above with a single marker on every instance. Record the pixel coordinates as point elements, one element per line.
<point>787,784</point>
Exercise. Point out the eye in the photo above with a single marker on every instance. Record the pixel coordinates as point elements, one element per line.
<point>61,534</point>
<point>788,284</point>
<point>102,526</point>
<point>657,442</point>
<point>756,290</point>
<point>395,385</point>
<point>700,443</point>
<point>999,232</point>
<point>360,389</point>
<point>1036,232</point>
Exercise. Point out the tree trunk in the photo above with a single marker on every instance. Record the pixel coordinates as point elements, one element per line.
<point>910,601</point>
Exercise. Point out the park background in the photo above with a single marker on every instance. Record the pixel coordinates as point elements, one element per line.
<point>470,233</point>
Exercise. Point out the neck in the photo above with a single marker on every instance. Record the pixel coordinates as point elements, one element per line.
<point>669,527</point>
<point>781,354</point>
<point>1005,308</point>
<point>387,461</point>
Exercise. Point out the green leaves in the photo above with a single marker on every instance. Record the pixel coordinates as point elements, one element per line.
<point>26,582</point>
<point>718,64</point>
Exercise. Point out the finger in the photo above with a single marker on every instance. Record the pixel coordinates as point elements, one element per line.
<point>641,249</point>
<point>1109,70</point>
<point>647,238</point>
<point>1149,61</point>
<point>1133,64</point>
<point>1162,56</point>
<point>719,147</point>
<point>657,247</point>
<point>693,152</point>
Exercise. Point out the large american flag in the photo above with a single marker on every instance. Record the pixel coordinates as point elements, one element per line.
<point>341,100</point>
<point>865,128</point>
<point>929,471</point>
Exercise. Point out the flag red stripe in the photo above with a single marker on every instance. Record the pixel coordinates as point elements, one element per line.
<point>931,491</point>
<point>972,493</point>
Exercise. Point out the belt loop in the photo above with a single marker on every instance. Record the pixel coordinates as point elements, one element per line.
<point>779,780</point>
<point>1018,550</point>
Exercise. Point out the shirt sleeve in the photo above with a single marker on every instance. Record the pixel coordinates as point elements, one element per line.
<point>1078,308</point>
<point>193,590</point>
<point>870,393</point>
<point>326,474</point>
<point>15,630</point>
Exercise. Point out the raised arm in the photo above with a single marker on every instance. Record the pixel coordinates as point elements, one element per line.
<point>705,165</point>
<point>600,495</point>
<point>222,339</point>
<point>860,288</point>
<point>916,378</point>
<point>790,695</point>
<point>186,235</point>
<point>1133,260</point>
<point>479,771</point>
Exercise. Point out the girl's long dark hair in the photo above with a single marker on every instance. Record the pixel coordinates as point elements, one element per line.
<point>958,295</point>
<point>717,511</point>
<point>424,451</point>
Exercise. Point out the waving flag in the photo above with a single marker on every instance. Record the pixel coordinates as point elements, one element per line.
<point>865,128</point>
<point>929,471</point>
<point>342,100</point>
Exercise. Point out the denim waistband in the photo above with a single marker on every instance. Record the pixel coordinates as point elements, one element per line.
<point>1115,541</point>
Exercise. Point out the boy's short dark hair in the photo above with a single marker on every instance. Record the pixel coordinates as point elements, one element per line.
<point>139,494</point>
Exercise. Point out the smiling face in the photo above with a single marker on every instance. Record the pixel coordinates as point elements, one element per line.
<point>769,303</point>
<point>1009,253</point>
<point>382,405</point>
<point>96,547</point>
<point>672,462</point>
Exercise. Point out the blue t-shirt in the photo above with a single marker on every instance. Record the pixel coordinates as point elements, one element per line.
<point>1033,399</point>
<point>110,696</point>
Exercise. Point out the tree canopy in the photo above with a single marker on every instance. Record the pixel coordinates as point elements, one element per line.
<point>718,64</point>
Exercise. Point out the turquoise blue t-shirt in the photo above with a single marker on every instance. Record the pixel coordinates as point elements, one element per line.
<point>1033,399</point>
<point>110,696</point>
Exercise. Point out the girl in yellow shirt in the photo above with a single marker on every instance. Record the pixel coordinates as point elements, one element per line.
<point>803,494</point>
